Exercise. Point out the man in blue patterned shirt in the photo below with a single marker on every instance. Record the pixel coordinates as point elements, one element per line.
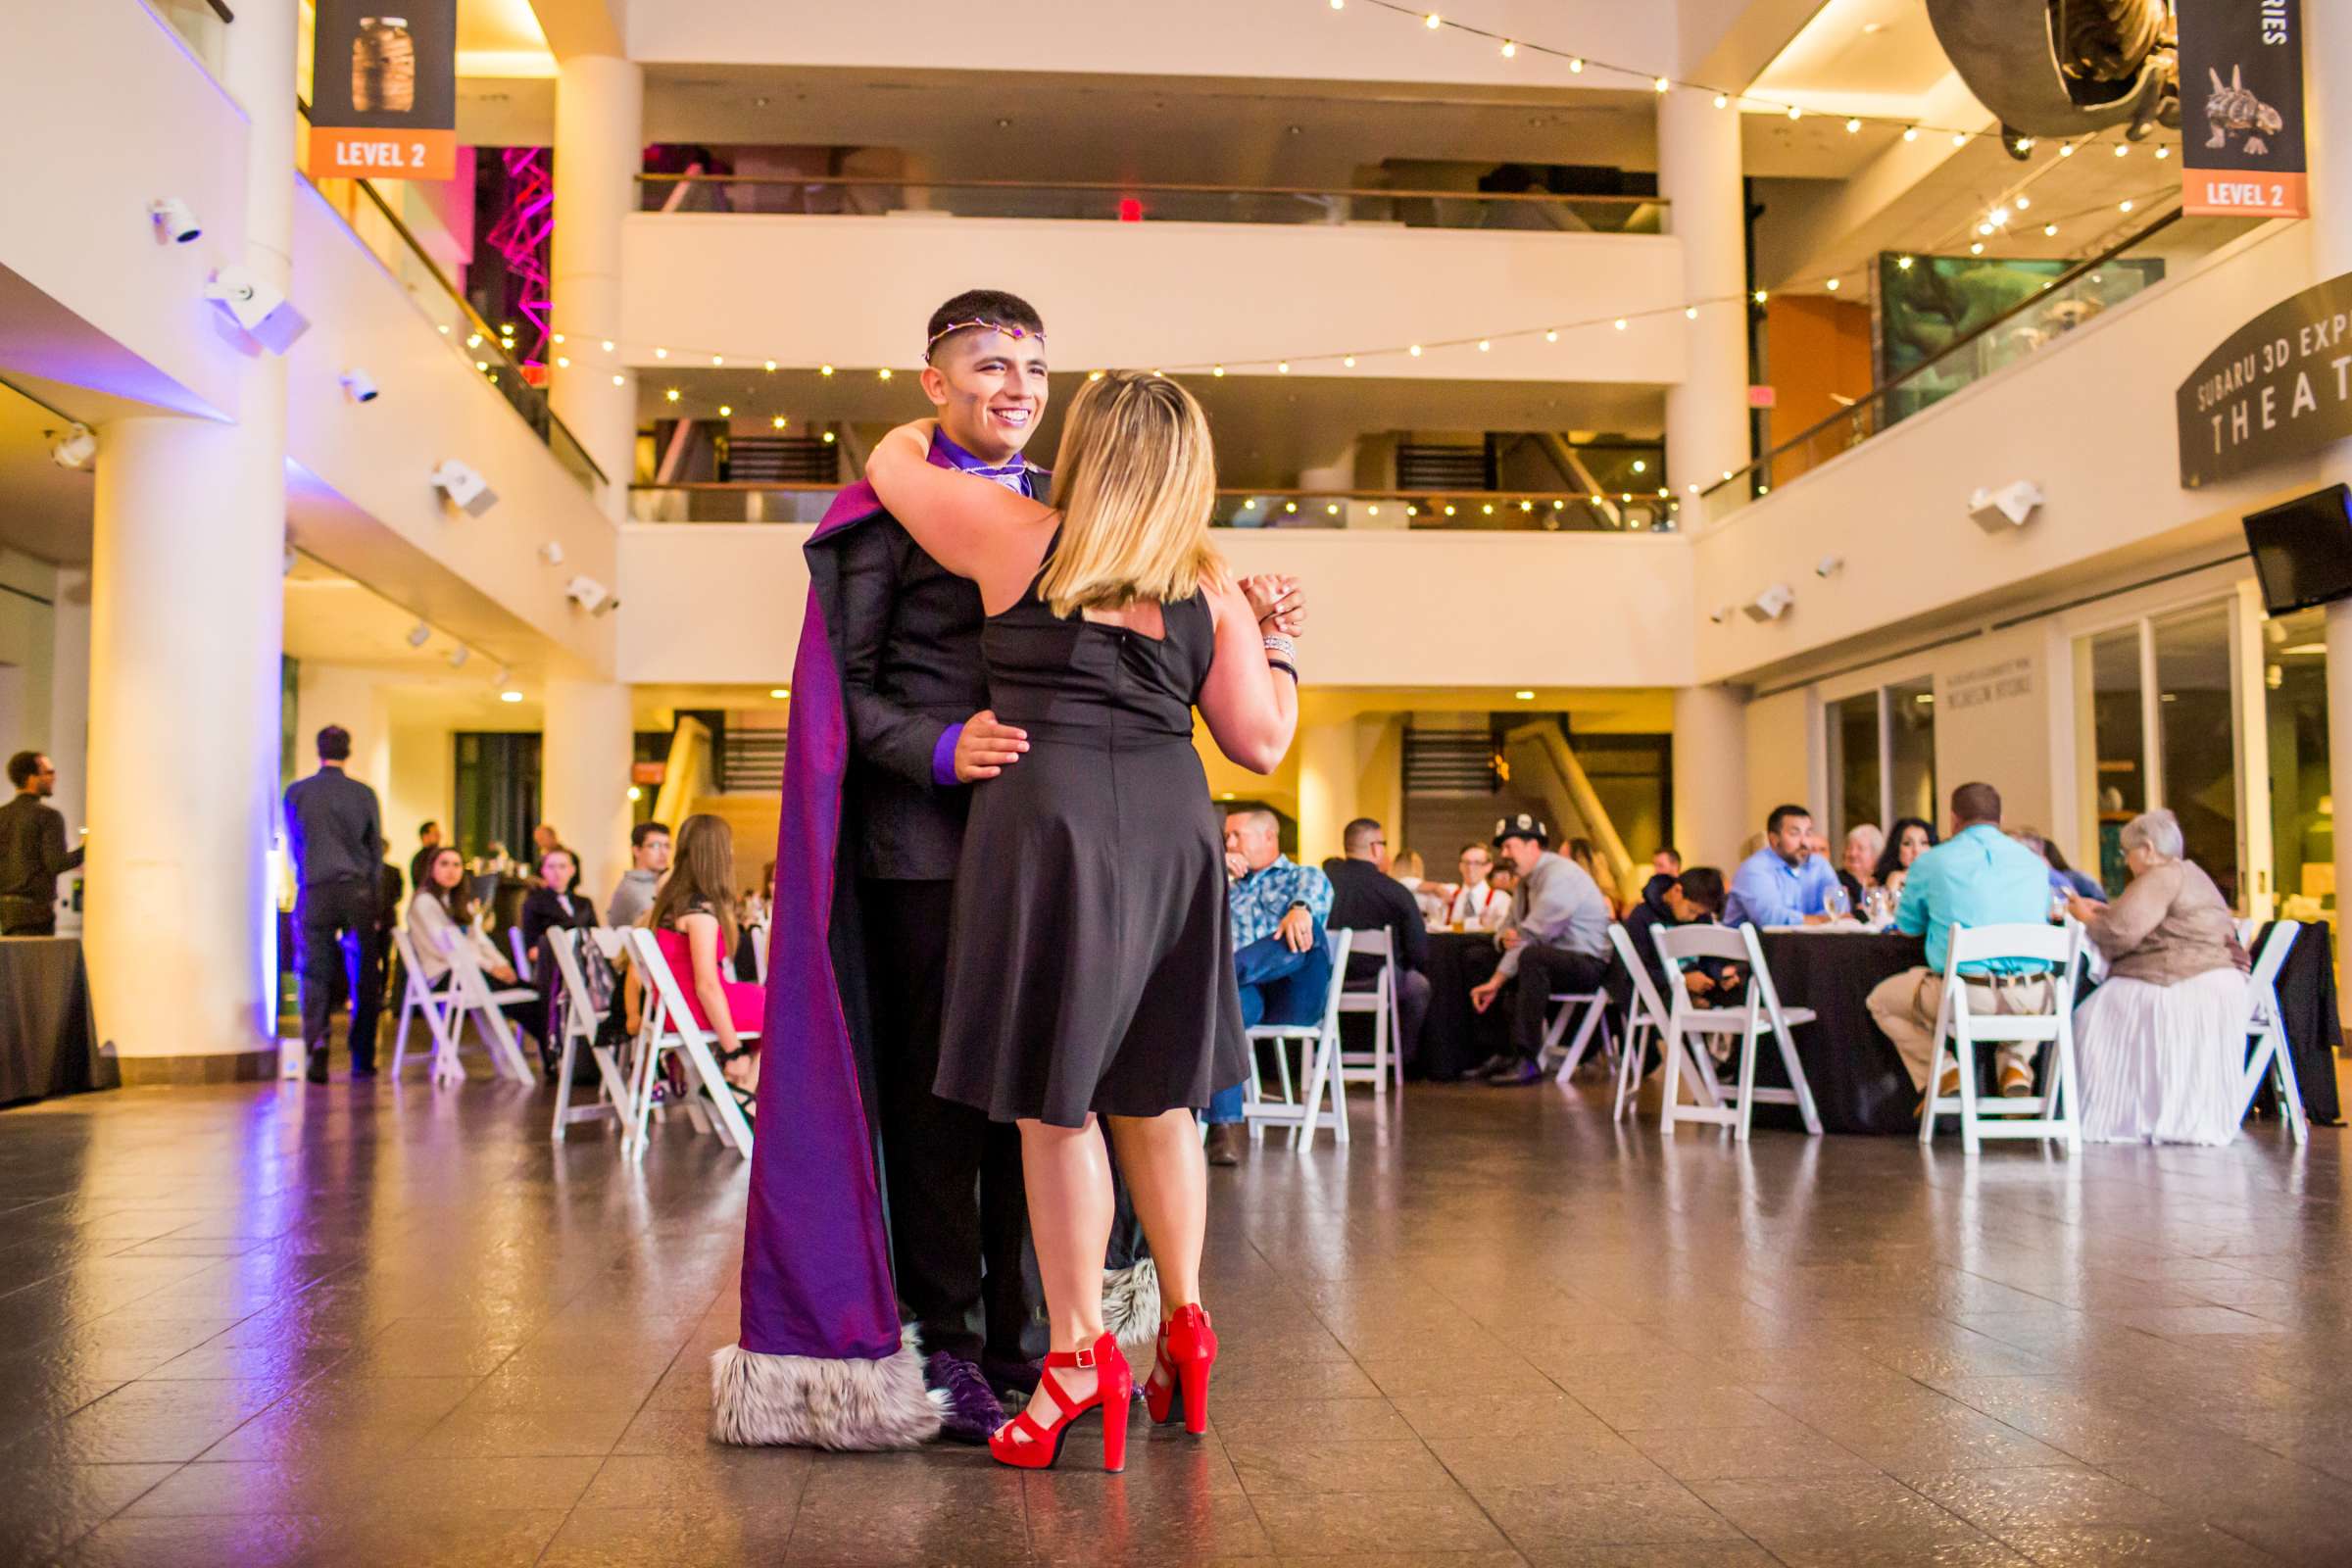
<point>1280,963</point>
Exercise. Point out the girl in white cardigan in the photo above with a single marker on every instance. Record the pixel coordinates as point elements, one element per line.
<point>442,913</point>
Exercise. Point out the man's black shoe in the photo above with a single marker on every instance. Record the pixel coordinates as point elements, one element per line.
<point>362,1069</point>
<point>1493,1065</point>
<point>1518,1074</point>
<point>315,1071</point>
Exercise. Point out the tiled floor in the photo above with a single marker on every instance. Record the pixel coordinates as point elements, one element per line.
<point>261,1325</point>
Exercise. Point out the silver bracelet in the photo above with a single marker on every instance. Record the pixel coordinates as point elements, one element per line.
<point>1280,645</point>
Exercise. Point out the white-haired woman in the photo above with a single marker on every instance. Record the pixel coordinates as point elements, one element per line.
<point>2161,1043</point>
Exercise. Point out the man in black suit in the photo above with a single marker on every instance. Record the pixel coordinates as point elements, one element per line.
<point>1365,897</point>
<point>337,839</point>
<point>916,693</point>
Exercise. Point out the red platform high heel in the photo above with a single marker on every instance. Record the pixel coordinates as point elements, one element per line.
<point>1187,1349</point>
<point>1026,1443</point>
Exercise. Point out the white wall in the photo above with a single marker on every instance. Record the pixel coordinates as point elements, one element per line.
<point>2089,420</point>
<point>109,111</point>
<point>1246,38</point>
<point>27,644</point>
<point>840,291</point>
<point>722,604</point>
<point>363,502</point>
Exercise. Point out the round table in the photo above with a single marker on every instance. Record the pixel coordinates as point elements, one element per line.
<point>1859,1083</point>
<point>1455,1037</point>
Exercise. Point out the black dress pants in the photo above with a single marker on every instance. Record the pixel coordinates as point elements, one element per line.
<point>959,1208</point>
<point>1542,971</point>
<point>335,934</point>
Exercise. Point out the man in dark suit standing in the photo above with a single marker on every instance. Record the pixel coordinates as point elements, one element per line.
<point>916,694</point>
<point>337,839</point>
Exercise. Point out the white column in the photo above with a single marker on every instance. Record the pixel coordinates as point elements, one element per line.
<point>2328,139</point>
<point>1710,774</point>
<point>1327,774</point>
<point>1699,175</point>
<point>600,114</point>
<point>585,751</point>
<point>186,631</point>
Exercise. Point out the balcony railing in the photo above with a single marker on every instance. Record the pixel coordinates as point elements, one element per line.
<point>1460,511</point>
<point>374,223</point>
<point>868,195</point>
<point>2025,328</point>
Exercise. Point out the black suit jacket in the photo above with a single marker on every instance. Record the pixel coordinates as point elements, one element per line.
<point>1364,897</point>
<point>910,667</point>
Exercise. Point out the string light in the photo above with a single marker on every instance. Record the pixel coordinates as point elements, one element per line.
<point>1910,133</point>
<point>1620,323</point>
<point>661,354</point>
<point>1282,367</point>
<point>1217,370</point>
<point>2025,144</point>
<point>2124,206</point>
<point>562,361</point>
<point>557,339</point>
<point>884,372</point>
<point>672,394</point>
<point>1349,362</point>
<point>607,345</point>
<point>1723,100</point>
<point>2123,149</point>
<point>1484,344</point>
<point>777,421</point>
<point>2024,200</point>
<point>2065,149</point>
<point>1415,351</point>
<point>1661,83</point>
<point>1689,313</point>
<point>1552,334</point>
<point>1097,375</point>
<point>771,367</point>
<point>726,410</point>
<point>1795,112</point>
<point>717,360</point>
<point>1510,50</point>
<point>1997,216</point>
<point>1959,138</point>
<point>1576,65</point>
<point>2050,230</point>
<point>1431,20</point>
<point>2162,151</point>
<point>829,438</point>
<point>1833,285</point>
<point>1761,296</point>
<point>824,369</point>
<point>1976,248</point>
<point>1852,126</point>
<point>621,380</point>
<point>1902,263</point>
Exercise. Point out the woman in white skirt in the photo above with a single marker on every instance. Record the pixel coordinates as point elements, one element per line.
<point>2161,1043</point>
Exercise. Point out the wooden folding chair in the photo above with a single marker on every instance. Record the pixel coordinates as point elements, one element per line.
<point>1319,1045</point>
<point>1759,1013</point>
<point>669,1027</point>
<point>580,1026</point>
<point>2055,1112</point>
<point>2269,1055</point>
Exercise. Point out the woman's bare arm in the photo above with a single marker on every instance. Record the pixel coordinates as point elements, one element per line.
<point>700,932</point>
<point>974,527</point>
<point>1251,707</point>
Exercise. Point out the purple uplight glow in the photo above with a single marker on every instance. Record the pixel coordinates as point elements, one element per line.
<point>520,237</point>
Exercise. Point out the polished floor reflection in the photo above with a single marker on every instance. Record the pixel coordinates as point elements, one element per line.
<point>259,1325</point>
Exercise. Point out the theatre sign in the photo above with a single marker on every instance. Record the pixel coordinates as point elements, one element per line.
<point>2279,387</point>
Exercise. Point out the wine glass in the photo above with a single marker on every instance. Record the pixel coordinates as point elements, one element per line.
<point>1838,903</point>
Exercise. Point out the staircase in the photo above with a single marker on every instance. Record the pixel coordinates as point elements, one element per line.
<point>1430,466</point>
<point>754,762</point>
<point>782,460</point>
<point>1450,762</point>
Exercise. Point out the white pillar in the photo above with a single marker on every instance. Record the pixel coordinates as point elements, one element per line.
<point>1327,775</point>
<point>1699,175</point>
<point>600,114</point>
<point>585,750</point>
<point>186,632</point>
<point>1710,775</point>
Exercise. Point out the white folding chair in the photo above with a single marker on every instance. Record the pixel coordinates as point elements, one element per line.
<point>580,1025</point>
<point>1648,1018</point>
<point>1759,1013</point>
<point>2054,1112</point>
<point>1320,1045</point>
<point>1591,1010</point>
<point>473,996</point>
<point>522,957</point>
<point>759,935</point>
<point>669,1027</point>
<point>1388,1032</point>
<point>2271,1057</point>
<point>417,997</point>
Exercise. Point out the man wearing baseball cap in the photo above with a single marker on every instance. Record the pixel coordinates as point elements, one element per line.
<point>1556,939</point>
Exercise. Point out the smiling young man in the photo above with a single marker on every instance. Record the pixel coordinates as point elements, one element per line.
<point>890,726</point>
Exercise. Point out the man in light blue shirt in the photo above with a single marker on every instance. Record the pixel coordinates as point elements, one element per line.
<point>1979,876</point>
<point>1784,883</point>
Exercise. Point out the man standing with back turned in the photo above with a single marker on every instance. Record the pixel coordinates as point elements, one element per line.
<point>32,849</point>
<point>337,839</point>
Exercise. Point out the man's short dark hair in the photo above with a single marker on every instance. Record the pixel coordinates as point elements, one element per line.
<point>1781,813</point>
<point>1671,853</point>
<point>334,744</point>
<point>981,304</point>
<point>22,767</point>
<point>1702,885</point>
<point>645,830</point>
<point>1977,802</point>
<point>1358,835</point>
<point>429,825</point>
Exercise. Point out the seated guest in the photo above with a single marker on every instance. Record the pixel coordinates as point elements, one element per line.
<point>1784,883</point>
<point>1406,870</point>
<point>1504,880</point>
<point>1664,867</point>
<point>1280,965</point>
<point>1908,840</point>
<point>693,920</point>
<point>1695,897</point>
<point>556,902</point>
<point>1363,900</point>
<point>1556,941</point>
<point>441,915</point>
<point>1859,872</point>
<point>2063,878</point>
<point>2160,1043</point>
<point>1979,876</point>
<point>1475,903</point>
<point>648,862</point>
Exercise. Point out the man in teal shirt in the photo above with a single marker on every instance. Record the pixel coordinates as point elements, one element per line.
<point>1979,876</point>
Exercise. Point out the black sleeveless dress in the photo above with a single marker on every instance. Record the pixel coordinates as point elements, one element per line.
<point>1090,967</point>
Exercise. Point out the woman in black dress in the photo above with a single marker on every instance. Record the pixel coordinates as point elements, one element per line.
<point>1090,972</point>
<point>556,902</point>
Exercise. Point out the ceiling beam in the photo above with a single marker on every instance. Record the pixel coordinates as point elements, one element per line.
<point>583,26</point>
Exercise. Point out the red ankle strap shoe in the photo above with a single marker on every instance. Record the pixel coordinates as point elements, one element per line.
<point>1187,1349</point>
<point>1027,1444</point>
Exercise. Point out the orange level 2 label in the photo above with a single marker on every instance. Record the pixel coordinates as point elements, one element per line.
<point>383,154</point>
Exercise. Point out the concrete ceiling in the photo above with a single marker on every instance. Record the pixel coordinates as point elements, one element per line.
<point>45,509</point>
<point>332,618</point>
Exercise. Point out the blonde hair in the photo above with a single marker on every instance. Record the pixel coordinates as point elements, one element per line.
<point>1134,482</point>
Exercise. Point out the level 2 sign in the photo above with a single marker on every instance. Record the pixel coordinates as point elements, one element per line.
<point>2279,387</point>
<point>384,90</point>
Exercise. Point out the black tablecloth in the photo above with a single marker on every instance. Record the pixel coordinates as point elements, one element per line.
<point>1455,1039</point>
<point>1859,1082</point>
<point>48,1045</point>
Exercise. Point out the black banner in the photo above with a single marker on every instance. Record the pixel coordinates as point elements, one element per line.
<point>2241,108</point>
<point>385,89</point>
<point>2279,387</point>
